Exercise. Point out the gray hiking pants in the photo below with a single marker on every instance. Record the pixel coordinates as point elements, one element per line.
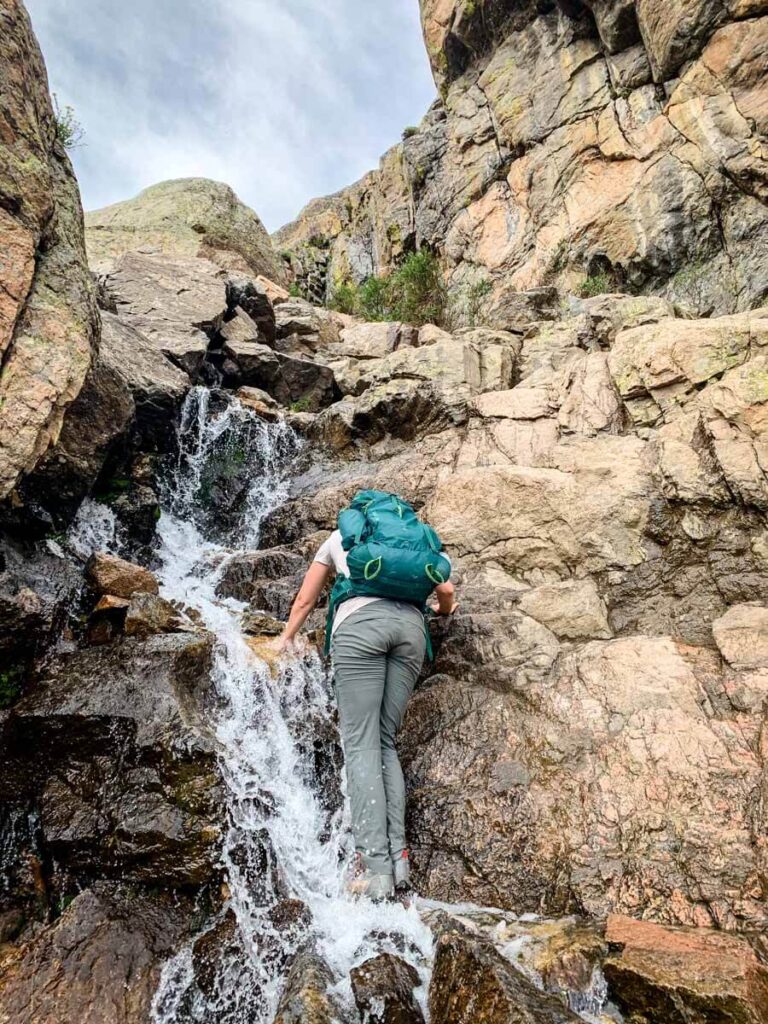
<point>377,655</point>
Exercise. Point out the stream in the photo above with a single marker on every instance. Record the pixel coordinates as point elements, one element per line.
<point>275,805</point>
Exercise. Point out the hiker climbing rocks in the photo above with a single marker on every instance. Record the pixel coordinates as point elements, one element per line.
<point>387,564</point>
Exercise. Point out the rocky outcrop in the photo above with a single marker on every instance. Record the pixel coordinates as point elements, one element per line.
<point>187,217</point>
<point>48,316</point>
<point>587,145</point>
<point>603,504</point>
<point>100,962</point>
<point>110,753</point>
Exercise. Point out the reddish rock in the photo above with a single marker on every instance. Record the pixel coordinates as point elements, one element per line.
<point>684,976</point>
<point>109,574</point>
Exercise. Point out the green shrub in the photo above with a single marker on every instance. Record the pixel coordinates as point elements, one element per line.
<point>473,301</point>
<point>414,292</point>
<point>596,284</point>
<point>295,292</point>
<point>410,131</point>
<point>69,131</point>
<point>344,299</point>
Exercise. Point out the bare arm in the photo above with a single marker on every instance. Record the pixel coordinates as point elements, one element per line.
<point>446,603</point>
<point>306,599</point>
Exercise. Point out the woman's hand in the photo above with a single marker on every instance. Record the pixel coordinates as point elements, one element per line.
<point>445,602</point>
<point>289,644</point>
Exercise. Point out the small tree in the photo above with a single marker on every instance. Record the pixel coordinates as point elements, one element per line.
<point>69,131</point>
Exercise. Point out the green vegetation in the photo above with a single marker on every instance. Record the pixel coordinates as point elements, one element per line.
<point>414,293</point>
<point>10,685</point>
<point>295,292</point>
<point>473,301</point>
<point>107,491</point>
<point>304,404</point>
<point>69,131</point>
<point>410,131</point>
<point>596,284</point>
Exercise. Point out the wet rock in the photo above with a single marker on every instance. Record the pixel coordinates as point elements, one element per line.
<point>471,981</point>
<point>100,961</point>
<point>149,614</point>
<point>111,748</point>
<point>670,975</point>
<point>49,323</point>
<point>186,217</point>
<point>305,998</point>
<point>265,407</point>
<point>267,580</point>
<point>259,624</point>
<point>38,589</point>
<point>383,989</point>
<point>109,574</point>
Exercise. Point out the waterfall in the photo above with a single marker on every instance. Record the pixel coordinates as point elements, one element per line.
<point>286,840</point>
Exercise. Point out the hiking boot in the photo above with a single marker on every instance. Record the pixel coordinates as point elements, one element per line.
<point>402,866</point>
<point>364,882</point>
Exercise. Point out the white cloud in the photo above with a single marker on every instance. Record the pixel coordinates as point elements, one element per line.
<point>283,99</point>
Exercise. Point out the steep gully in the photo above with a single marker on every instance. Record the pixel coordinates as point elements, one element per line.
<point>287,835</point>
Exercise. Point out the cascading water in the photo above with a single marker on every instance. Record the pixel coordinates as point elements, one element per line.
<point>284,841</point>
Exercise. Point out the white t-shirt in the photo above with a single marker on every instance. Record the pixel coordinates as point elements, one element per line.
<point>332,553</point>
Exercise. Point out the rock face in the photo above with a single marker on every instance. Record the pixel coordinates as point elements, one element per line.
<point>188,217</point>
<point>48,317</point>
<point>597,702</point>
<point>588,144</point>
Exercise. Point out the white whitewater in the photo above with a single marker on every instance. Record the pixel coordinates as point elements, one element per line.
<point>267,729</point>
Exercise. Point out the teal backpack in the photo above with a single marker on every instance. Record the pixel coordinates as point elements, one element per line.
<point>390,553</point>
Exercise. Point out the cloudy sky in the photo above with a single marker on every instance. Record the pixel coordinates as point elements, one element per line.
<point>284,100</point>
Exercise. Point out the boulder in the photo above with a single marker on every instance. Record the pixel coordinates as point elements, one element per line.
<point>471,981</point>
<point>306,998</point>
<point>259,402</point>
<point>176,304</point>
<point>109,574</point>
<point>291,380</point>
<point>249,304</point>
<point>139,705</point>
<point>49,322</point>
<point>157,385</point>
<point>183,218</point>
<point>383,990</point>
<point>93,429</point>
<point>38,590</point>
<point>148,615</point>
<point>673,974</point>
<point>100,961</point>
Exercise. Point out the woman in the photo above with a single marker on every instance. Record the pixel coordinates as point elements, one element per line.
<point>377,648</point>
